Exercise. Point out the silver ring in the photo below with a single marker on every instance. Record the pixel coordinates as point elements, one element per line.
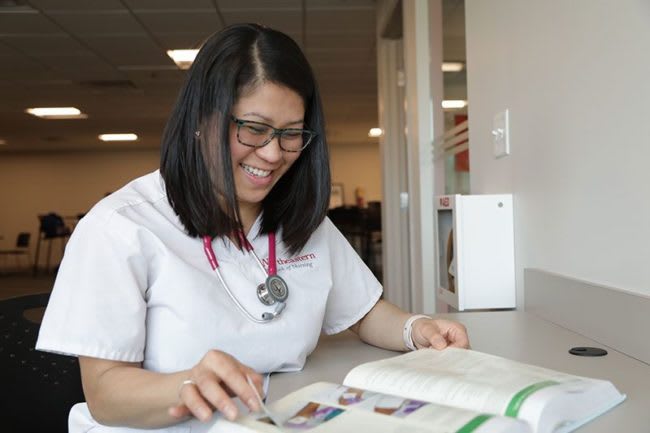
<point>183,383</point>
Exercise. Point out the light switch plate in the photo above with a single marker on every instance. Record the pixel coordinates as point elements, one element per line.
<point>501,134</point>
<point>403,200</point>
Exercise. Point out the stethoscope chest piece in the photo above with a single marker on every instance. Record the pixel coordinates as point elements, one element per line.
<point>273,290</point>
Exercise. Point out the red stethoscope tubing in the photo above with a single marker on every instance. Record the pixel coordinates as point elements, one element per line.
<point>273,266</point>
<point>271,274</point>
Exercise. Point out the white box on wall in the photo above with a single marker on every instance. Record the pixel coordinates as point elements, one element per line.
<point>475,250</point>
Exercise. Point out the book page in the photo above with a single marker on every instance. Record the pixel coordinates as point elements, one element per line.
<point>326,407</point>
<point>457,377</point>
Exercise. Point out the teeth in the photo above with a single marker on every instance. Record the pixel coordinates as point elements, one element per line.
<point>255,171</point>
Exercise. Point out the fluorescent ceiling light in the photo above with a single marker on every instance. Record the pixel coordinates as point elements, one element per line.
<point>57,112</point>
<point>118,137</point>
<point>182,58</point>
<point>375,132</point>
<point>454,103</point>
<point>453,66</point>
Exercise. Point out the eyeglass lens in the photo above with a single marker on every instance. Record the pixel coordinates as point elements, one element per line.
<point>257,135</point>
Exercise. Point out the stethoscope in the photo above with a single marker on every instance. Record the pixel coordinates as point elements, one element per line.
<point>273,291</point>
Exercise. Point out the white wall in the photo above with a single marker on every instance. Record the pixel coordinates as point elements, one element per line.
<point>67,183</point>
<point>70,183</point>
<point>357,166</point>
<point>575,76</point>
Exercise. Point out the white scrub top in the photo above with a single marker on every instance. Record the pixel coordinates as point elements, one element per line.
<point>134,287</point>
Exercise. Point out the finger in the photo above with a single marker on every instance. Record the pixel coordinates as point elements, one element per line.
<point>454,333</point>
<point>227,373</point>
<point>179,411</point>
<point>195,403</point>
<point>427,334</point>
<point>458,337</point>
<point>437,341</point>
<point>235,378</point>
<point>256,378</point>
<point>211,389</point>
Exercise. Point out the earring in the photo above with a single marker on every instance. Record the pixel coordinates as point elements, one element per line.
<point>197,134</point>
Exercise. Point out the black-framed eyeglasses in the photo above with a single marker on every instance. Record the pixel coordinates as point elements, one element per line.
<point>258,134</point>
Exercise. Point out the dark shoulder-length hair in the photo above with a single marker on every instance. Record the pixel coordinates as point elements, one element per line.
<point>195,155</point>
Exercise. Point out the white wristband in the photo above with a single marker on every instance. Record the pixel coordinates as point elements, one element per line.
<point>408,330</point>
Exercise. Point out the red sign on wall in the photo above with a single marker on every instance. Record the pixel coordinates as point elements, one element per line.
<point>461,160</point>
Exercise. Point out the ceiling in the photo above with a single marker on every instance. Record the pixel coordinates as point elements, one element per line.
<point>108,58</point>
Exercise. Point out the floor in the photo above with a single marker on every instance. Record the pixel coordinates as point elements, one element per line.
<point>23,283</point>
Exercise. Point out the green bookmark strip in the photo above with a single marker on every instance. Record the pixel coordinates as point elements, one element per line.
<point>474,423</point>
<point>515,404</point>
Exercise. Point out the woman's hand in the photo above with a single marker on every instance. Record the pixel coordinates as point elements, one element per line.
<point>211,384</point>
<point>383,326</point>
<point>439,333</point>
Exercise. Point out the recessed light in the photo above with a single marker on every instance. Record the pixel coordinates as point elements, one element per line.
<point>57,112</point>
<point>454,103</point>
<point>118,137</point>
<point>182,58</point>
<point>453,66</point>
<point>375,132</point>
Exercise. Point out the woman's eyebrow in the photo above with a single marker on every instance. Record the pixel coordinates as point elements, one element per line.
<point>269,120</point>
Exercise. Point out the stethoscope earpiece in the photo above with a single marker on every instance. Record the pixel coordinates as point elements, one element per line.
<point>272,315</point>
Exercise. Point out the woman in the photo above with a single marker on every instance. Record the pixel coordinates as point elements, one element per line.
<point>159,293</point>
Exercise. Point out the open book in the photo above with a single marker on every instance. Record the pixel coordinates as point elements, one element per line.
<point>452,390</point>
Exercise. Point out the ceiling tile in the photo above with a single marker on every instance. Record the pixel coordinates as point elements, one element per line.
<point>21,94</point>
<point>453,48</point>
<point>336,41</point>
<point>158,81</point>
<point>252,5</point>
<point>285,21</point>
<point>341,57</point>
<point>98,23</point>
<point>76,5</point>
<point>20,67</point>
<point>129,50</point>
<point>26,24</point>
<point>351,22</point>
<point>107,42</point>
<point>182,40</point>
<point>82,68</point>
<point>170,5</point>
<point>7,49</point>
<point>187,21</point>
<point>49,45</point>
<point>340,4</point>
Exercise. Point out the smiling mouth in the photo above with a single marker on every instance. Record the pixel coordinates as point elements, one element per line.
<point>256,172</point>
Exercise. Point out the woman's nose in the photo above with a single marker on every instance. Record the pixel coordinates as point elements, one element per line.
<point>271,152</point>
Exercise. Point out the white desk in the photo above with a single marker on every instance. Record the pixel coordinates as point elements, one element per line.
<point>515,335</point>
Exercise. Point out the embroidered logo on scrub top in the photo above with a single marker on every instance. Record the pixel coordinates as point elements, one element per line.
<point>297,262</point>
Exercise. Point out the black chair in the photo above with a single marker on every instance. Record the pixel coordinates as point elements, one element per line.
<point>350,220</point>
<point>51,227</point>
<point>362,228</point>
<point>21,249</point>
<point>373,241</point>
<point>38,388</point>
